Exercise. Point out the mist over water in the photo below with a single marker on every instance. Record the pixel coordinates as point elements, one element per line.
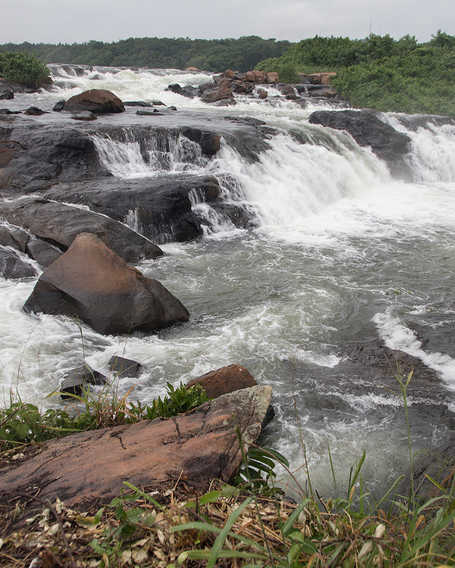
<point>342,252</point>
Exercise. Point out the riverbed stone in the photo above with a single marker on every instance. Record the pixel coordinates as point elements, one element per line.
<point>195,448</point>
<point>224,380</point>
<point>98,101</point>
<point>92,283</point>
<point>12,266</point>
<point>78,379</point>
<point>123,367</point>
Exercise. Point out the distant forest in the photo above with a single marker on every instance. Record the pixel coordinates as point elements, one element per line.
<point>209,55</point>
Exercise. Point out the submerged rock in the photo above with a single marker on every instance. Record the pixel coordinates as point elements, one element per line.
<point>84,115</point>
<point>98,101</point>
<point>34,111</point>
<point>94,284</point>
<point>196,448</point>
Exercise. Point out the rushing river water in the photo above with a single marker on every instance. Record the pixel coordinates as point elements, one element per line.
<point>342,253</point>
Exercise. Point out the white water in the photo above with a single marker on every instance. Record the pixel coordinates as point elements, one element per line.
<point>342,251</point>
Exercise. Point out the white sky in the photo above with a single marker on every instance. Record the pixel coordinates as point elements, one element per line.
<point>70,21</point>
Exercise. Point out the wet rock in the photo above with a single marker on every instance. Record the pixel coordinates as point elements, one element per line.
<point>123,367</point>
<point>288,91</point>
<point>76,380</point>
<point>6,94</point>
<point>153,112</point>
<point>225,380</point>
<point>210,142</point>
<point>60,224</point>
<point>137,104</point>
<point>15,237</point>
<point>59,106</point>
<point>42,154</point>
<point>84,115</point>
<point>34,111</point>
<point>186,91</point>
<point>195,448</point>
<point>158,103</point>
<point>368,130</point>
<point>98,101</point>
<point>160,207</point>
<point>43,252</point>
<point>12,266</point>
<point>221,93</point>
<point>7,111</point>
<point>262,93</point>
<point>94,284</point>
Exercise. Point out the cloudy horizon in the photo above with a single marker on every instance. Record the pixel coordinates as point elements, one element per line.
<point>38,21</point>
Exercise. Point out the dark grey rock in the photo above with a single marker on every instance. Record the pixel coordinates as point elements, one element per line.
<point>43,252</point>
<point>76,380</point>
<point>123,367</point>
<point>59,106</point>
<point>12,266</point>
<point>84,115</point>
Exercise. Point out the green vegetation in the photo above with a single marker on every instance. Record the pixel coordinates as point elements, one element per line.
<point>380,72</point>
<point>24,69</point>
<point>24,423</point>
<point>210,55</point>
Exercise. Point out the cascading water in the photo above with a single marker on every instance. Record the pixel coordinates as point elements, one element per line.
<point>341,252</point>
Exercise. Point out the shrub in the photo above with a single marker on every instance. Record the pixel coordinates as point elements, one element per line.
<point>23,69</point>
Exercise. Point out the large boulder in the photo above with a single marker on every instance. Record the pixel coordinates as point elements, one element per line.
<point>92,283</point>
<point>59,224</point>
<point>221,93</point>
<point>195,448</point>
<point>368,130</point>
<point>12,266</point>
<point>98,101</point>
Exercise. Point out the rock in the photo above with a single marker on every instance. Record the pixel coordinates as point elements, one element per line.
<point>12,266</point>
<point>288,91</point>
<point>224,380</point>
<point>84,115</point>
<point>368,130</point>
<point>186,91</point>
<point>43,252</point>
<point>222,92</point>
<point>6,95</point>
<point>242,87</point>
<point>98,101</point>
<point>137,104</point>
<point>76,380</point>
<point>7,111</point>
<point>153,112</point>
<point>123,367</point>
<point>15,237</point>
<point>192,69</point>
<point>262,93</point>
<point>210,142</point>
<point>41,154</point>
<point>59,106</point>
<point>172,107</point>
<point>60,223</point>
<point>161,206</point>
<point>34,111</point>
<point>272,77</point>
<point>92,283</point>
<point>195,448</point>
<point>158,103</point>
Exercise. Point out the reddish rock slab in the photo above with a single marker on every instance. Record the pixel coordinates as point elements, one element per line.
<point>91,282</point>
<point>98,101</point>
<point>195,447</point>
<point>224,380</point>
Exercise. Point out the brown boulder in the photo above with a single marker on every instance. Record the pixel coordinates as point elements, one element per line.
<point>224,380</point>
<point>195,448</point>
<point>221,92</point>
<point>272,77</point>
<point>262,93</point>
<point>98,101</point>
<point>93,283</point>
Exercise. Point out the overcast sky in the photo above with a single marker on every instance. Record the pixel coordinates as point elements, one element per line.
<point>70,21</point>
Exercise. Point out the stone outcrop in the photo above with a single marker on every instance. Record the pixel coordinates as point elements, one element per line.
<point>368,130</point>
<point>162,205</point>
<point>98,101</point>
<point>225,380</point>
<point>60,224</point>
<point>194,448</point>
<point>37,249</point>
<point>92,283</point>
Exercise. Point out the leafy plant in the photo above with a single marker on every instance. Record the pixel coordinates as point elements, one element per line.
<point>23,68</point>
